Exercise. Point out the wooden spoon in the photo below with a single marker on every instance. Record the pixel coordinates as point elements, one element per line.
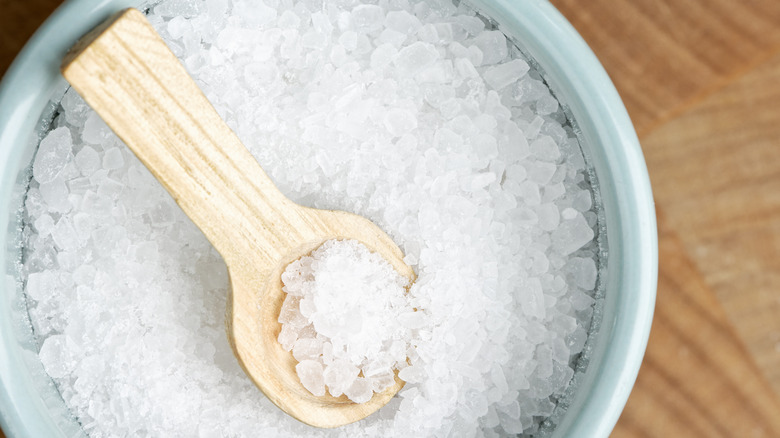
<point>124,70</point>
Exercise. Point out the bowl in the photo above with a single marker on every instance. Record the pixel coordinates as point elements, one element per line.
<point>30,405</point>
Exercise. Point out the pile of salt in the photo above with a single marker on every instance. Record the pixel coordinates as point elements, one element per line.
<point>404,113</point>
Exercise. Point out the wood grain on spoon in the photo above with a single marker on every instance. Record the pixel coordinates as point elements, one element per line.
<point>127,74</point>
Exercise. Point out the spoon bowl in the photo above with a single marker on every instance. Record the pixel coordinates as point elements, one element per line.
<point>127,74</point>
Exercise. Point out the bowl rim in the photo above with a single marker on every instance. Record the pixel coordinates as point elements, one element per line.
<point>550,38</point>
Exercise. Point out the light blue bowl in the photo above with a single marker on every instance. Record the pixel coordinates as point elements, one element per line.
<point>30,405</point>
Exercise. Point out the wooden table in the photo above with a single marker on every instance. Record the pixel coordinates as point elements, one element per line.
<point>701,80</point>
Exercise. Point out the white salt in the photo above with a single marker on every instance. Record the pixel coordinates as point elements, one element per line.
<point>573,233</point>
<point>583,272</point>
<point>402,21</point>
<point>52,155</point>
<point>55,195</point>
<point>415,58</point>
<point>412,115</point>
<point>502,75</point>
<point>367,18</point>
<point>360,391</point>
<point>545,149</point>
<point>493,46</point>
<point>113,159</point>
<point>310,373</point>
<point>354,300</point>
<point>399,121</point>
<point>95,130</point>
<point>54,356</point>
<point>87,160</point>
<point>41,284</point>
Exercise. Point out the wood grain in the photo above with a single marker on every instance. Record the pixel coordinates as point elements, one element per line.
<point>716,172</point>
<point>127,74</point>
<point>663,55</point>
<point>697,379</point>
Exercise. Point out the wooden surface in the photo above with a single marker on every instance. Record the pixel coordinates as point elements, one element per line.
<point>701,80</point>
<point>127,74</point>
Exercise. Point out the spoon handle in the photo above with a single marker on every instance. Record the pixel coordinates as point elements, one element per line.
<point>127,74</point>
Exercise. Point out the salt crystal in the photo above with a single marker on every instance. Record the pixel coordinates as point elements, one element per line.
<point>52,155</point>
<point>545,149</point>
<point>383,381</point>
<point>413,320</point>
<point>440,72</point>
<point>532,299</point>
<point>255,14</point>
<point>44,225</point>
<point>310,373</point>
<point>493,46</point>
<point>176,7</point>
<point>414,58</point>
<point>348,40</point>
<point>84,274</point>
<point>583,272</point>
<point>582,201</point>
<point>41,284</point>
<point>572,234</point>
<point>96,205</point>
<point>339,376</point>
<point>502,75</point>
<point>465,68</point>
<point>360,391</point>
<point>307,348</point>
<point>549,216</point>
<point>511,410</point>
<point>411,374</point>
<point>560,352</point>
<point>530,192</point>
<point>427,33</point>
<point>546,105</point>
<point>87,160</point>
<point>289,20</point>
<point>541,172</point>
<point>55,195</point>
<point>581,301</point>
<point>161,215</point>
<point>291,315</point>
<point>110,188</point>
<point>54,356</point>
<point>576,341</point>
<point>399,121</point>
<point>95,130</point>
<point>287,337</point>
<point>177,27</point>
<point>513,145</point>
<point>402,21</point>
<point>112,159</point>
<point>392,37</point>
<point>511,426</point>
<point>553,192</point>
<point>383,55</point>
<point>147,252</point>
<point>498,378</point>
<point>321,23</point>
<point>367,18</point>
